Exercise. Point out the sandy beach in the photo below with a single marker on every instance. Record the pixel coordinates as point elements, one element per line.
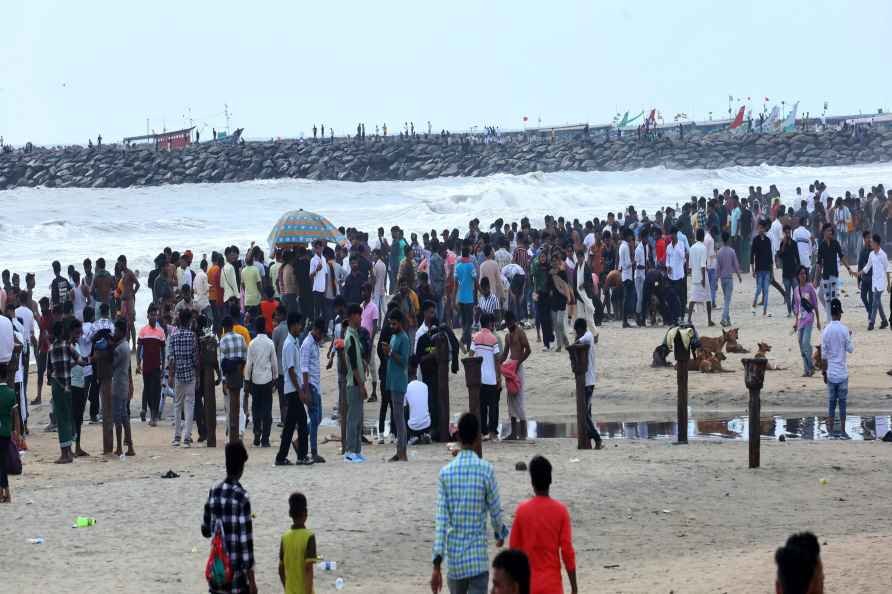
<point>648,516</point>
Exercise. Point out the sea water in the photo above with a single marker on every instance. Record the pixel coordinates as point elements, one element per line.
<point>43,224</point>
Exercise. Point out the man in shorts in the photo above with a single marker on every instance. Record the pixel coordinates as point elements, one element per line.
<point>122,388</point>
<point>517,348</point>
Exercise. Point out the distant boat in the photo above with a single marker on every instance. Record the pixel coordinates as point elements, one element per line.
<point>229,138</point>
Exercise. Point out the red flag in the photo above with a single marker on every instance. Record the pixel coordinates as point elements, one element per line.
<point>766,99</point>
<point>525,118</point>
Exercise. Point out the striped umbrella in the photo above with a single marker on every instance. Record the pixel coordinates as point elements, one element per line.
<point>301,227</point>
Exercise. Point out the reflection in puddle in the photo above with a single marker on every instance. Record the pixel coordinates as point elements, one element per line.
<point>862,428</point>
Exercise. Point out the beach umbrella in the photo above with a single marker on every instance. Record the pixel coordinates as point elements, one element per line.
<point>301,227</point>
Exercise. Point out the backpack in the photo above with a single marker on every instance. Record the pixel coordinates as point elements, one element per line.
<point>218,571</point>
<point>517,284</point>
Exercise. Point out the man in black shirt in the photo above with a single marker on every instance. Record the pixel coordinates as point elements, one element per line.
<point>864,284</point>
<point>304,284</point>
<point>827,266</point>
<point>762,265</point>
<point>354,282</point>
<point>789,257</point>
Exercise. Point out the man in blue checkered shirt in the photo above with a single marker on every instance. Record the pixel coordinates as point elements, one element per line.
<point>467,492</point>
<point>184,365</point>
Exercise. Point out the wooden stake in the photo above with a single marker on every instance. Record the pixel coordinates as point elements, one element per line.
<point>441,342</point>
<point>682,359</point>
<point>754,377</point>
<point>208,345</point>
<point>472,367</point>
<point>579,365</point>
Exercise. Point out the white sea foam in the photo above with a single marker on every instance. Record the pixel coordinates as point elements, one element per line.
<point>42,225</point>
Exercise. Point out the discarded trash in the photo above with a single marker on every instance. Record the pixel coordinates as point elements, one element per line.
<point>574,460</point>
<point>823,482</point>
<point>170,474</point>
<point>123,457</point>
<point>83,522</point>
<point>194,549</point>
<point>611,566</point>
<point>782,438</point>
<point>521,466</point>
<point>667,511</point>
<point>38,540</point>
<point>339,584</point>
<point>253,515</point>
<point>327,565</point>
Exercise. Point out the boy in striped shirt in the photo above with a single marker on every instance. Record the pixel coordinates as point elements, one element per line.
<point>487,302</point>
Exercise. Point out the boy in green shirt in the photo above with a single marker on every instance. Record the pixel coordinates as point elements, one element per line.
<point>397,353</point>
<point>356,392</point>
<point>297,550</point>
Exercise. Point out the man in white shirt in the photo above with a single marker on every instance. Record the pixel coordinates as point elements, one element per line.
<point>625,265</point>
<point>486,345</point>
<point>29,344</point>
<point>675,262</point>
<point>7,342</point>
<point>711,262</point>
<point>641,261</point>
<point>379,271</point>
<point>836,343</point>
<point>584,336</point>
<point>200,289</point>
<point>319,278</point>
<point>229,279</point>
<point>810,200</point>
<point>878,266</point>
<point>775,234</point>
<point>699,276</point>
<point>802,237</point>
<point>419,414</point>
<point>261,371</point>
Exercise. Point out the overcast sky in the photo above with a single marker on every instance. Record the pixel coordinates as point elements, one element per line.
<point>73,69</point>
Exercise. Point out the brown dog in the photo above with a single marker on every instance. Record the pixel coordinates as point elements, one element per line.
<point>713,344</point>
<point>764,348</point>
<point>712,363</point>
<point>731,344</point>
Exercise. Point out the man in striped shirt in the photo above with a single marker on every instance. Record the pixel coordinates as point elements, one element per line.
<point>487,303</point>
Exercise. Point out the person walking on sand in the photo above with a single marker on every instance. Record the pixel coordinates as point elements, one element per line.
<point>699,278</point>
<point>584,336</point>
<point>805,305</point>
<point>297,550</point>
<point>310,370</point>
<point>486,345</point>
<point>122,388</point>
<point>517,348</point>
<point>183,358</point>
<point>762,260</point>
<point>228,507</point>
<point>727,265</point>
<point>149,358</point>
<point>836,343</point>
<point>296,414</point>
<point>878,268</point>
<point>467,493</point>
<point>356,392</point>
<point>827,266</point>
<point>542,530</point>
<point>397,352</point>
<point>261,372</point>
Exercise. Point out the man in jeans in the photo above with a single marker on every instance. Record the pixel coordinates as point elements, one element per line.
<point>727,265</point>
<point>296,413</point>
<point>836,343</point>
<point>584,336</point>
<point>467,493</point>
<point>356,392</point>
<point>827,268</point>
<point>876,269</point>
<point>762,260</point>
<point>310,366</point>
<point>183,368</point>
<point>465,275</point>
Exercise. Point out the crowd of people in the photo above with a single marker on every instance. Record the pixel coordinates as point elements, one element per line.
<point>389,313</point>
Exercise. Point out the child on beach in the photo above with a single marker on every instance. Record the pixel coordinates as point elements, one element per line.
<point>297,551</point>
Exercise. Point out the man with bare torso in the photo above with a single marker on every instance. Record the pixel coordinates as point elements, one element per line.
<point>130,285</point>
<point>517,348</point>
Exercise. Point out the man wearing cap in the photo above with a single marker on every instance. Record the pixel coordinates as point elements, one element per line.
<point>836,343</point>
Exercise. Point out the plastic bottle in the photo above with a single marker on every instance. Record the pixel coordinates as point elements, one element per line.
<point>38,540</point>
<point>83,522</point>
<point>327,565</point>
<point>339,584</point>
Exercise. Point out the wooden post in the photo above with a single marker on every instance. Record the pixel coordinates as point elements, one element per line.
<point>682,359</point>
<point>208,346</point>
<point>579,365</point>
<point>342,399</point>
<point>472,367</point>
<point>754,370</point>
<point>441,342</point>
<point>103,372</point>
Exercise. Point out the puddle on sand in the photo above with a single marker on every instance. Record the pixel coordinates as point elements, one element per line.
<point>862,428</point>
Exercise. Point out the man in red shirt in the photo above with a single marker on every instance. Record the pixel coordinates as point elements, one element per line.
<point>542,530</point>
<point>149,359</point>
